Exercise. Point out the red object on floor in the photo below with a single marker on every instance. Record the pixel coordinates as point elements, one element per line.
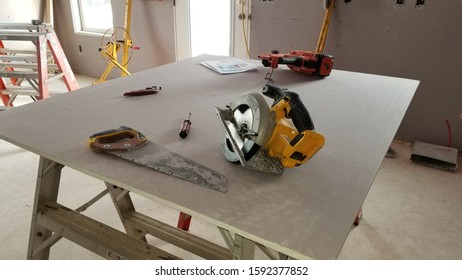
<point>184,221</point>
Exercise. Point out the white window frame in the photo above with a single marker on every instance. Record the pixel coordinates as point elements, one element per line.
<point>78,20</point>
<point>182,19</point>
<point>183,29</point>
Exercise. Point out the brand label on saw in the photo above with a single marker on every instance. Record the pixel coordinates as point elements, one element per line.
<point>253,104</point>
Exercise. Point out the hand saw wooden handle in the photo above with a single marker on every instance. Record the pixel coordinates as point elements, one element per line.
<point>117,140</point>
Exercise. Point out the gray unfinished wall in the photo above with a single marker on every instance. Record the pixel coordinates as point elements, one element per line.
<point>380,37</point>
<point>152,29</point>
<point>20,11</point>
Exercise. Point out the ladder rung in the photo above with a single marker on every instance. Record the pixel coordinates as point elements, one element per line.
<point>19,74</point>
<point>19,51</point>
<point>20,36</point>
<point>31,65</point>
<point>15,88</point>
<point>10,90</point>
<point>24,75</point>
<point>26,92</point>
<point>24,26</point>
<point>26,58</point>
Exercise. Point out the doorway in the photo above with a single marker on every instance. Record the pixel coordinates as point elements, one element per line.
<point>211,27</point>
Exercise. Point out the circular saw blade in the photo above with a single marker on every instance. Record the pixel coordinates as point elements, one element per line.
<point>251,126</point>
<point>243,117</point>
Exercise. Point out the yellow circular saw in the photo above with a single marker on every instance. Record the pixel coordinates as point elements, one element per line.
<point>265,138</point>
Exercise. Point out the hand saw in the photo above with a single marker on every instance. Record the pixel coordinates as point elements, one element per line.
<point>132,145</point>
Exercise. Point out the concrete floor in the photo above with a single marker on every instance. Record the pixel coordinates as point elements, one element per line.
<point>411,211</point>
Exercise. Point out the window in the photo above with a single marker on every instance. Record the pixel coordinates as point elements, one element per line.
<point>210,27</point>
<point>92,15</point>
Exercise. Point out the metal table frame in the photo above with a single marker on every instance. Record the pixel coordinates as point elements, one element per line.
<point>51,221</point>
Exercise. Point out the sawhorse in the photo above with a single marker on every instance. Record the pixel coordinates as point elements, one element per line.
<point>52,221</point>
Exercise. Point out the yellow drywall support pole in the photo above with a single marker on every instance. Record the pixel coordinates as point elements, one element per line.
<point>127,39</point>
<point>324,28</point>
<point>110,52</point>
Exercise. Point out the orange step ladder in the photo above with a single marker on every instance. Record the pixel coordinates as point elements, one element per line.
<point>38,66</point>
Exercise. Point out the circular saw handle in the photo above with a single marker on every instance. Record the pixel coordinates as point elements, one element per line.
<point>297,112</point>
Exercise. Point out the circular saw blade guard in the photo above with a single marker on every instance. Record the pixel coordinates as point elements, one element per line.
<point>248,124</point>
